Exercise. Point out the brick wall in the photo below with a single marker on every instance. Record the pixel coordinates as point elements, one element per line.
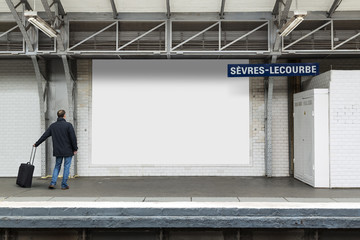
<point>19,118</point>
<point>83,102</point>
<point>345,129</point>
<point>257,124</point>
<point>280,129</point>
<point>344,122</point>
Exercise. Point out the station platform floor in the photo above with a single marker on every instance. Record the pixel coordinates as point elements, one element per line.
<point>177,202</point>
<point>176,189</point>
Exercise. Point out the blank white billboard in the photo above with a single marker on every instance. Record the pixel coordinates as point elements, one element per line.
<point>169,112</point>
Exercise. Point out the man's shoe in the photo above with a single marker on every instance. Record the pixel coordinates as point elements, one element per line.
<point>65,188</point>
<point>51,186</point>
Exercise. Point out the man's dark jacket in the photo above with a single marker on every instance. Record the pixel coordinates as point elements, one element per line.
<point>63,138</point>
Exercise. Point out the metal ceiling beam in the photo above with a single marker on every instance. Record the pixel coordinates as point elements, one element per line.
<point>48,11</point>
<point>141,36</point>
<point>142,16</point>
<point>205,16</point>
<point>194,36</point>
<point>60,25</point>
<point>71,99</point>
<point>56,21</point>
<point>70,84</point>
<point>93,35</point>
<point>13,28</point>
<point>281,16</point>
<point>306,35</point>
<point>60,7</point>
<point>347,40</point>
<point>168,11</point>
<point>245,35</point>
<point>285,12</point>
<point>27,5</point>
<point>276,8</point>
<point>165,47</point>
<point>41,93</point>
<point>20,24</point>
<point>113,6</point>
<point>168,38</point>
<point>60,42</point>
<point>222,9</point>
<point>333,8</point>
<point>269,89</point>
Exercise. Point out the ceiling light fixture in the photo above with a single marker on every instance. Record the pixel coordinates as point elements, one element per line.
<point>292,23</point>
<point>40,23</point>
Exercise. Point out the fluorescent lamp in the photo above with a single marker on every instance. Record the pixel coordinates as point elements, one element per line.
<point>39,23</point>
<point>292,23</point>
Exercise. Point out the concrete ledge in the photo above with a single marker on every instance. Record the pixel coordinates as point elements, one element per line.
<point>179,215</point>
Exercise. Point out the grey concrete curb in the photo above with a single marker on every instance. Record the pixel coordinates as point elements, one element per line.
<point>163,216</point>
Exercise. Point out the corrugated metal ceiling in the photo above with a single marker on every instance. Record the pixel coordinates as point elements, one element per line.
<point>189,5</point>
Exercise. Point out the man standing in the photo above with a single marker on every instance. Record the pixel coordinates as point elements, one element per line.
<point>64,147</point>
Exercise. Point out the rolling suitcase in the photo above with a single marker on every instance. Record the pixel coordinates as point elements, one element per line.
<point>26,171</point>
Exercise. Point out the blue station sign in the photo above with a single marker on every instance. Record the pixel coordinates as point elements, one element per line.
<point>269,70</point>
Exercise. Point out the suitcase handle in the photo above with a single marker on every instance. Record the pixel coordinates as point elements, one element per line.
<point>33,156</point>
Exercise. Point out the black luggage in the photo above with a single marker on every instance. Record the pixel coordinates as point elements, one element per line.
<point>26,171</point>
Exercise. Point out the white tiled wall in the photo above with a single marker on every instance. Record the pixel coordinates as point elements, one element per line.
<point>83,102</point>
<point>19,102</point>
<point>19,118</point>
<point>20,125</point>
<point>257,124</point>
<point>345,128</point>
<point>344,119</point>
<point>280,132</point>
<point>257,108</point>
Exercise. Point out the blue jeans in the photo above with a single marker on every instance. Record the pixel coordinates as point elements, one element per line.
<point>57,168</point>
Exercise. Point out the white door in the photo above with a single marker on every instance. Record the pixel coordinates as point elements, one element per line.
<point>298,143</point>
<point>308,140</point>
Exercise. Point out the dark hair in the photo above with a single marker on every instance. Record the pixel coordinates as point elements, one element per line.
<point>61,113</point>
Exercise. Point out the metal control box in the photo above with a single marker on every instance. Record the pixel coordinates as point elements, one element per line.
<point>311,137</point>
